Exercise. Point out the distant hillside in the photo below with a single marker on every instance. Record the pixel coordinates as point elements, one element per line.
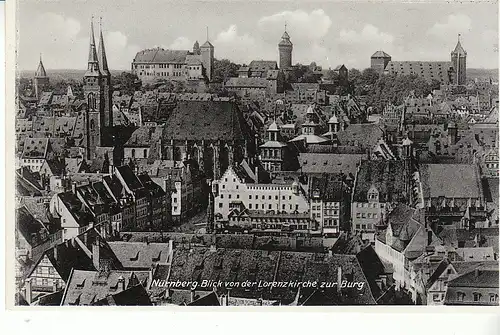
<point>66,75</point>
<point>482,74</point>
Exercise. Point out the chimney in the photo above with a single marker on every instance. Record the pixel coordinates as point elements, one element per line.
<point>429,237</point>
<point>110,170</point>
<point>95,256</point>
<point>339,278</point>
<point>379,283</point>
<point>27,287</point>
<point>55,252</point>
<point>256,174</point>
<point>73,187</point>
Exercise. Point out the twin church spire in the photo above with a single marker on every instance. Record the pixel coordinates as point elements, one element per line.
<point>97,61</point>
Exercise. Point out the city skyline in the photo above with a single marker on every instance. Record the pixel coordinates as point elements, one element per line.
<point>327,33</point>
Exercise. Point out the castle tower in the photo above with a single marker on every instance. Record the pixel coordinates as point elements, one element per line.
<point>459,63</point>
<point>379,61</point>
<point>207,58</point>
<point>106,82</point>
<point>41,79</point>
<point>93,90</point>
<point>285,48</point>
<point>196,48</point>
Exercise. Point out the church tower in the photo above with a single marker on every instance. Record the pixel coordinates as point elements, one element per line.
<point>459,64</point>
<point>41,80</point>
<point>285,48</point>
<point>93,89</point>
<point>106,82</point>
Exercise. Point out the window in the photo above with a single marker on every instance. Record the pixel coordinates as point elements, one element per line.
<point>436,297</point>
<point>249,197</point>
<point>249,206</point>
<point>270,206</point>
<point>133,153</point>
<point>220,205</point>
<point>477,296</point>
<point>221,196</point>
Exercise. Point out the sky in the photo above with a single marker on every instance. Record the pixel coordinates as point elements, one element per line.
<point>328,33</point>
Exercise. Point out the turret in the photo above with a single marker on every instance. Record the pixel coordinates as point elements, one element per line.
<point>196,48</point>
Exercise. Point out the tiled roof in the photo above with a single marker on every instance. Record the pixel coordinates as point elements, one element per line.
<point>440,180</point>
<point>35,148</point>
<point>329,163</point>
<point>372,268</point>
<point>386,176</point>
<point>476,278</point>
<point>246,82</point>
<point>364,135</point>
<point>30,228</point>
<point>226,265</point>
<point>139,255</point>
<point>208,120</point>
<point>329,187</point>
<point>209,300</point>
<point>145,136</point>
<point>158,55</point>
<point>132,296</point>
<point>129,177</point>
<point>75,207</point>
<point>334,149</point>
<point>380,53</point>
<point>263,65</point>
<point>88,287</point>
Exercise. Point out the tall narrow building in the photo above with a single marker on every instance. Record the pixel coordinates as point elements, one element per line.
<point>41,80</point>
<point>285,48</point>
<point>207,58</point>
<point>106,82</point>
<point>459,64</point>
<point>93,89</point>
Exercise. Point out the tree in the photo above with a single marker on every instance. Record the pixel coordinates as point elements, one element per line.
<point>127,82</point>
<point>223,70</point>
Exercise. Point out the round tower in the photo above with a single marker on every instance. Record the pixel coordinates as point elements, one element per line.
<point>285,48</point>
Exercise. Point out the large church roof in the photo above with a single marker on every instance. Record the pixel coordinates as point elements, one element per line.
<point>204,120</point>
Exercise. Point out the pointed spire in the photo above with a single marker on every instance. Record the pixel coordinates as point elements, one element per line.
<point>207,44</point>
<point>93,64</point>
<point>459,49</point>
<point>40,71</point>
<point>103,62</point>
